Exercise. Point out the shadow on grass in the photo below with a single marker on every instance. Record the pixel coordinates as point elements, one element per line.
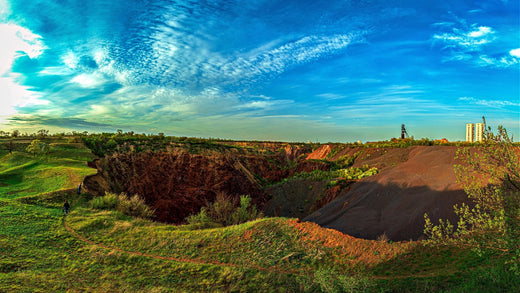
<point>55,199</point>
<point>428,268</point>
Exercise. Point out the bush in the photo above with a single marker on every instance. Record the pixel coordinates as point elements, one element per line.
<point>201,220</point>
<point>245,212</point>
<point>106,202</point>
<point>221,211</point>
<point>225,211</point>
<point>131,206</point>
<point>490,175</point>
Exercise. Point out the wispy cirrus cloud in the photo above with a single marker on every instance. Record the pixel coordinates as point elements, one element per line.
<point>404,101</point>
<point>466,39</point>
<point>469,43</point>
<point>203,66</point>
<point>176,69</point>
<point>490,102</point>
<point>278,60</point>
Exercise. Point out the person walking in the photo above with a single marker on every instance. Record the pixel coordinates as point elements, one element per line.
<point>79,189</point>
<point>66,207</point>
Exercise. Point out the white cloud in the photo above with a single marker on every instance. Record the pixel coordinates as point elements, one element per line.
<point>304,50</point>
<point>490,103</point>
<point>90,77</point>
<point>264,105</point>
<point>178,55</point>
<point>16,41</point>
<point>480,32</point>
<point>70,60</point>
<point>5,9</point>
<point>515,53</point>
<point>468,44</point>
<point>331,96</point>
<point>467,40</point>
<point>86,80</point>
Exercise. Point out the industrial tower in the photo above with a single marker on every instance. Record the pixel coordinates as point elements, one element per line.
<point>403,132</point>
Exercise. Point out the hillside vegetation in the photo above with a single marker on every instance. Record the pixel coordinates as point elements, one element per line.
<point>105,250</point>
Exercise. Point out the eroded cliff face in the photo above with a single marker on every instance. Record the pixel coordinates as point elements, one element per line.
<point>178,183</point>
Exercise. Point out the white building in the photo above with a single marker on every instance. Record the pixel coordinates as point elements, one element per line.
<point>479,132</point>
<point>470,132</point>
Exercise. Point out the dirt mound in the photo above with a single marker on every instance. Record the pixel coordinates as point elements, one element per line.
<point>394,201</point>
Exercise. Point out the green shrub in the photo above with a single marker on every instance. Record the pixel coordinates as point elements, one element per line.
<point>201,220</point>
<point>333,176</point>
<point>245,212</point>
<point>225,211</point>
<point>221,210</point>
<point>132,206</point>
<point>109,201</point>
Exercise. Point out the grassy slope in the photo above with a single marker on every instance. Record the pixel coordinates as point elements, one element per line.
<point>107,251</point>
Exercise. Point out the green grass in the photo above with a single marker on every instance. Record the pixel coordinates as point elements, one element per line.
<point>107,251</point>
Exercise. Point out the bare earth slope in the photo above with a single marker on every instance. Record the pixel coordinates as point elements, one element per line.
<point>177,183</point>
<point>394,201</point>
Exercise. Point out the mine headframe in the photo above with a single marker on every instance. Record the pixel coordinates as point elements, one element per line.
<point>403,132</point>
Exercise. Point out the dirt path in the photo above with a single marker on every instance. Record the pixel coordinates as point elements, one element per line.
<point>216,263</point>
<point>176,259</point>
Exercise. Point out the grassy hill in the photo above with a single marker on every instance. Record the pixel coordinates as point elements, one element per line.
<point>107,251</point>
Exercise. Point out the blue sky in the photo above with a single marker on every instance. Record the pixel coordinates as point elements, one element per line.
<point>264,70</point>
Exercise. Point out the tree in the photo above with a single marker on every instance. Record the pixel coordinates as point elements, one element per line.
<point>42,133</point>
<point>45,148</point>
<point>15,133</point>
<point>490,175</point>
<point>34,147</point>
<point>38,147</point>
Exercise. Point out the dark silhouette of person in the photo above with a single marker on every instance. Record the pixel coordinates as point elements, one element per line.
<point>66,207</point>
<point>79,188</point>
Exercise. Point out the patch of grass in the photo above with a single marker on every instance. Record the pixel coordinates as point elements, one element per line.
<point>133,206</point>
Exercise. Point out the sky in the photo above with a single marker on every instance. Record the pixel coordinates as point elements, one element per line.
<point>324,71</point>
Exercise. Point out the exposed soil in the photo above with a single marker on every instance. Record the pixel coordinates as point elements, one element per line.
<point>394,201</point>
<point>178,183</point>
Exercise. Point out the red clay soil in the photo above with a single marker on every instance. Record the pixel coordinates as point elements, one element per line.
<point>177,184</point>
<point>394,201</point>
<point>320,153</point>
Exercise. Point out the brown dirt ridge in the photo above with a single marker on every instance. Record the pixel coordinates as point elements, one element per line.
<point>394,201</point>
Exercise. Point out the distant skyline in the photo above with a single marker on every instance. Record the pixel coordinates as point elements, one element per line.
<point>337,71</point>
